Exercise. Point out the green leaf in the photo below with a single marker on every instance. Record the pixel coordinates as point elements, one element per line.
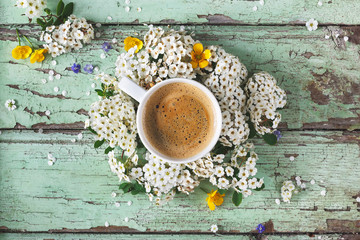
<point>123,185</point>
<point>99,92</point>
<point>40,22</point>
<point>50,22</point>
<point>57,22</point>
<point>108,149</point>
<point>47,10</point>
<point>68,10</point>
<point>237,198</point>
<point>260,188</point>
<point>221,191</point>
<point>252,130</point>
<point>60,8</point>
<point>134,192</point>
<point>270,139</point>
<point>139,187</point>
<point>98,143</point>
<point>128,188</point>
<point>92,130</point>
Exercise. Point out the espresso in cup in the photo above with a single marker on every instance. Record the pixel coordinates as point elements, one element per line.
<point>178,120</point>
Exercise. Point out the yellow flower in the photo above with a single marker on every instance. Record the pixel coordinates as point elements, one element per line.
<point>21,52</point>
<point>131,42</point>
<point>214,198</point>
<point>198,56</point>
<point>38,55</point>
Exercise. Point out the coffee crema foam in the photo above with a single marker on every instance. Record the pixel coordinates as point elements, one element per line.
<point>179,120</point>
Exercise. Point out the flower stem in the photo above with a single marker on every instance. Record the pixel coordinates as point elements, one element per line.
<point>17,33</point>
<point>28,41</point>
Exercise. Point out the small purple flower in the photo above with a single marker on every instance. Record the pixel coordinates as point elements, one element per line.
<point>260,228</point>
<point>106,46</point>
<point>278,135</point>
<point>89,68</point>
<point>76,68</point>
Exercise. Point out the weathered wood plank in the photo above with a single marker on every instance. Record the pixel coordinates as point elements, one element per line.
<point>75,193</point>
<point>36,236</point>
<point>207,11</point>
<point>321,77</point>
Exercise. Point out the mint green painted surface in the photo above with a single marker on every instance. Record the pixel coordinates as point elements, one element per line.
<point>220,11</point>
<point>36,236</point>
<point>75,193</point>
<point>316,74</point>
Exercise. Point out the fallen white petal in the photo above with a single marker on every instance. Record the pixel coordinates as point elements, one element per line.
<point>73,140</point>
<point>51,78</point>
<point>346,38</point>
<point>327,36</point>
<point>129,203</point>
<point>47,112</point>
<point>261,2</point>
<point>292,158</point>
<point>96,69</point>
<point>107,224</point>
<point>58,76</point>
<point>50,163</point>
<point>64,93</point>
<point>127,2</point>
<point>117,204</point>
<point>98,34</point>
<point>98,25</point>
<point>43,80</point>
<point>358,199</point>
<point>51,72</point>
<point>126,219</point>
<point>80,136</point>
<point>127,9</point>
<point>138,9</point>
<point>88,93</point>
<point>114,40</point>
<point>56,89</point>
<point>323,192</point>
<point>277,201</point>
<point>102,56</point>
<point>255,8</point>
<point>53,62</point>
<point>320,3</point>
<point>312,182</point>
<point>109,18</point>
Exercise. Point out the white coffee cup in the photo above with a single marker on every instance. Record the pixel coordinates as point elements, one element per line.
<point>142,96</point>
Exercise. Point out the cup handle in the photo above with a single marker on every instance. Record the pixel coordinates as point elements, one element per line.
<point>132,89</point>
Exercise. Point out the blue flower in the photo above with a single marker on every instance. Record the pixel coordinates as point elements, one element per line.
<point>89,68</point>
<point>278,135</point>
<point>106,46</point>
<point>76,68</point>
<point>260,228</point>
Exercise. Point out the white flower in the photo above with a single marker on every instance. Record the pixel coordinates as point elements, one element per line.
<point>229,171</point>
<point>10,104</point>
<point>219,171</point>
<point>252,183</point>
<point>312,24</point>
<point>214,228</point>
<point>242,184</point>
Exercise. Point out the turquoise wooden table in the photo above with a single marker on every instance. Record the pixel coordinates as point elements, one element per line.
<point>320,126</point>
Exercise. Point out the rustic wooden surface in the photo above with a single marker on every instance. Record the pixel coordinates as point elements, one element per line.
<point>72,199</point>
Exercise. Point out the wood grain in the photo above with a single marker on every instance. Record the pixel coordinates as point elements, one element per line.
<point>36,236</point>
<point>320,76</point>
<point>74,195</point>
<point>285,12</point>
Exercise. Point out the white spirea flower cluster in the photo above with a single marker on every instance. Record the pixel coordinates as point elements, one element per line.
<point>71,35</point>
<point>162,58</point>
<point>114,119</point>
<point>264,98</point>
<point>33,8</point>
<point>287,190</point>
<point>167,54</point>
<point>237,174</point>
<point>227,74</point>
